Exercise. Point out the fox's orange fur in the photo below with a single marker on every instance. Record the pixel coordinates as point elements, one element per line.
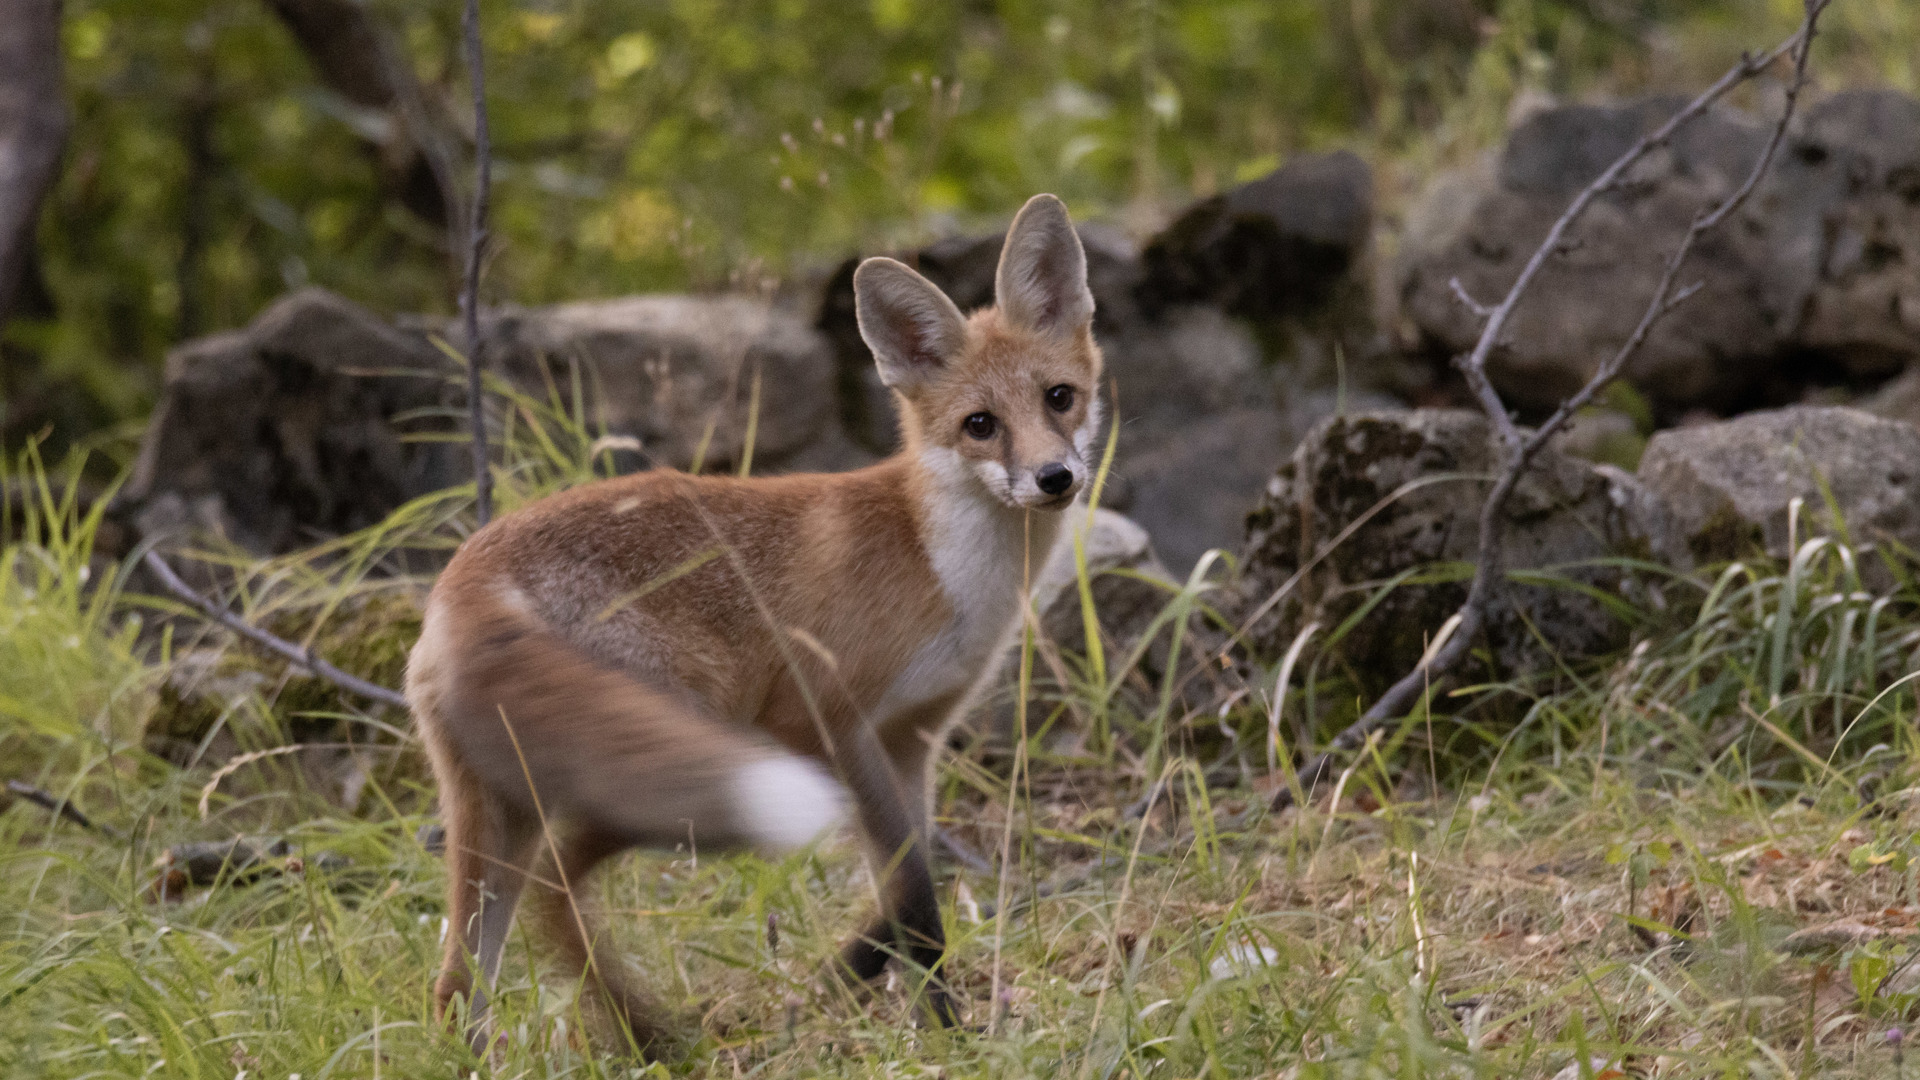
<point>664,657</point>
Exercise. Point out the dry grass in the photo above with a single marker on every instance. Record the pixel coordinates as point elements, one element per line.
<point>1601,866</point>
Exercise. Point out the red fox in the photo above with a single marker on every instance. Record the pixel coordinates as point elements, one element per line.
<point>663,657</point>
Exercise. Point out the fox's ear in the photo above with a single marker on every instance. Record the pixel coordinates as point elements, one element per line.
<point>911,326</point>
<point>1042,281</point>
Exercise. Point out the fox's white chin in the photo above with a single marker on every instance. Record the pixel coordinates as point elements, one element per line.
<point>1050,503</point>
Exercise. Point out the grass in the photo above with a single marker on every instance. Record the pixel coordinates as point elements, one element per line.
<point>1592,873</point>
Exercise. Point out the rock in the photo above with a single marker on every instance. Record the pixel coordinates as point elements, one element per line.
<point>677,372</point>
<point>1564,511</point>
<point>1125,604</point>
<point>1270,248</point>
<point>288,430</point>
<point>1812,282</point>
<point>1586,301</point>
<point>1192,484</point>
<point>1130,589</point>
<point>1845,203</point>
<point>299,426</point>
<point>1897,399</point>
<point>1728,484</point>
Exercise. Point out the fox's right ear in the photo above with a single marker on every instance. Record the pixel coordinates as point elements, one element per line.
<point>911,326</point>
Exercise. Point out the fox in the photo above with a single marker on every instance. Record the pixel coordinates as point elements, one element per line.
<point>735,662</point>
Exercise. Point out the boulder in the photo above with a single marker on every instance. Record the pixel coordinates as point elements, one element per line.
<point>1728,484</point>
<point>301,425</point>
<point>677,373</point>
<point>1131,588</point>
<point>1270,248</point>
<point>1896,399</point>
<point>290,429</point>
<point>1129,583</point>
<point>1844,206</point>
<point>1486,225</point>
<point>1812,282</point>
<point>1563,512</point>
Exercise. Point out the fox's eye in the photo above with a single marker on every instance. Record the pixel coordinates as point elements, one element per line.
<point>980,425</point>
<point>1060,398</point>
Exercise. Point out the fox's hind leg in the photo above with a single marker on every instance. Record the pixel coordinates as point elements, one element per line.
<point>562,902</point>
<point>490,849</point>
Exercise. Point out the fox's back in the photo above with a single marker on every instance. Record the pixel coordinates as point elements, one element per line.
<point>716,585</point>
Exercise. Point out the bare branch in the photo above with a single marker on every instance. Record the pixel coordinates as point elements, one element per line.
<point>55,805</point>
<point>356,57</point>
<point>272,643</point>
<point>1466,299</point>
<point>476,245</point>
<point>1475,364</point>
<point>1519,452</point>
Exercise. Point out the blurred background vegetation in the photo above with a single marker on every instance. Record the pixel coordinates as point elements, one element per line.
<point>217,159</point>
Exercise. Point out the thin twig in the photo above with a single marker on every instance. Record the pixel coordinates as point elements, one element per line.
<point>476,245</point>
<point>58,806</point>
<point>1474,365</point>
<point>1466,299</point>
<point>272,643</point>
<point>1518,452</point>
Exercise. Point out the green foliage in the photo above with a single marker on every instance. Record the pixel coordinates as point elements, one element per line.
<point>665,145</point>
<point>76,684</point>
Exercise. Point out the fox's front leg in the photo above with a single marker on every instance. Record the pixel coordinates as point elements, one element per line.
<point>895,823</point>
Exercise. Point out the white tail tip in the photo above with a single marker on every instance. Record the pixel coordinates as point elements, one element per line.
<point>785,802</point>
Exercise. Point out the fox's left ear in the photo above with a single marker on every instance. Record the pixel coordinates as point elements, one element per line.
<point>1042,281</point>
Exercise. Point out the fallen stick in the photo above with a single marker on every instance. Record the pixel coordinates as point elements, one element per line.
<point>271,642</point>
<point>59,807</point>
<point>239,861</point>
<point>1519,450</point>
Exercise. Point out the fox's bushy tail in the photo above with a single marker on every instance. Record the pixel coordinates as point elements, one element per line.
<point>537,748</point>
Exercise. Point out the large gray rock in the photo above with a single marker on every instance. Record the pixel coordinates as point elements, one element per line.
<point>1131,589</point>
<point>677,373</point>
<point>290,430</point>
<point>1130,585</point>
<point>1812,281</point>
<point>1896,399</point>
<point>1563,512</point>
<point>1844,214</point>
<point>1728,485</point>
<point>1269,248</point>
<point>1586,301</point>
<point>299,426</point>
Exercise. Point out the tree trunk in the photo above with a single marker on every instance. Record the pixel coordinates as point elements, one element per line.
<point>355,58</point>
<point>33,133</point>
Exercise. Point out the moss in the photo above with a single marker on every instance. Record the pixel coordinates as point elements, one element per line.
<point>1725,535</point>
<point>369,636</point>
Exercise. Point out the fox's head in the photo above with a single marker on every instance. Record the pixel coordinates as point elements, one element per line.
<point>1007,395</point>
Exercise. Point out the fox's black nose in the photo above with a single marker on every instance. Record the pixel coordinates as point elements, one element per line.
<point>1053,478</point>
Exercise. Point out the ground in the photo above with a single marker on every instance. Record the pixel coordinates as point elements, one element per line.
<point>1477,933</point>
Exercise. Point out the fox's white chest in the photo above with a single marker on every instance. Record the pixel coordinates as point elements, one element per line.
<point>984,555</point>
